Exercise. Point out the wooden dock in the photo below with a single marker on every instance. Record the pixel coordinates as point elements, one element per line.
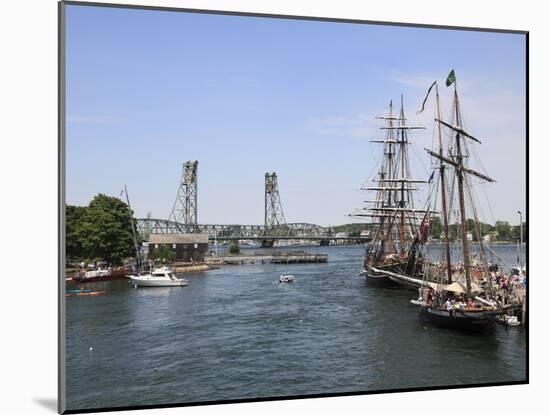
<point>187,267</point>
<point>278,258</point>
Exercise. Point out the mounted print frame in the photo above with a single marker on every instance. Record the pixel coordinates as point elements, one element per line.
<point>354,231</point>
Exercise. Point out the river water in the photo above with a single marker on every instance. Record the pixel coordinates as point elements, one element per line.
<point>235,333</point>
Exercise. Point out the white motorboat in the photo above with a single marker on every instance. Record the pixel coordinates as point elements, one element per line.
<point>508,320</point>
<point>286,278</point>
<point>160,277</point>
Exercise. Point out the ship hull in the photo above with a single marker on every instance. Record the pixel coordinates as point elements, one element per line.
<point>379,281</point>
<point>410,284</point>
<point>375,279</point>
<point>473,322</point>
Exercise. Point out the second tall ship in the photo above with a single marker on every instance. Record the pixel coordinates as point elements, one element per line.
<point>395,222</point>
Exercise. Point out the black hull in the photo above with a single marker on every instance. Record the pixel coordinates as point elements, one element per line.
<point>381,281</point>
<point>457,320</point>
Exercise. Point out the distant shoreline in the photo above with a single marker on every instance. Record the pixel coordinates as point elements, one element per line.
<point>438,242</point>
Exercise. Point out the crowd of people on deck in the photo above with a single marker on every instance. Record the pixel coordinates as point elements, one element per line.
<point>510,283</point>
<point>510,286</point>
<point>507,287</point>
<point>448,301</point>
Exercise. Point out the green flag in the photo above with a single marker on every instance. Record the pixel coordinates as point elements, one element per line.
<point>451,78</point>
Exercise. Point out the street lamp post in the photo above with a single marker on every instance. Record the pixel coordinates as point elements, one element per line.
<point>520,241</point>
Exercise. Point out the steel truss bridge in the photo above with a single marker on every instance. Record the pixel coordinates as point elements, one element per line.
<point>306,231</point>
<point>183,218</point>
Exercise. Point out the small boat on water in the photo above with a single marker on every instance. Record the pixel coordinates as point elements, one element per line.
<point>286,278</point>
<point>102,274</point>
<point>81,290</point>
<point>82,293</point>
<point>160,277</point>
<point>511,321</point>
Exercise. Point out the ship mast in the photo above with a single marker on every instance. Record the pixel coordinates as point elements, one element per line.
<point>388,237</point>
<point>443,193</point>
<point>457,161</point>
<point>460,180</point>
<point>393,211</point>
<point>383,198</point>
<point>403,175</point>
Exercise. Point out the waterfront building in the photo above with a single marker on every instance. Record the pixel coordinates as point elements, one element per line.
<point>187,247</point>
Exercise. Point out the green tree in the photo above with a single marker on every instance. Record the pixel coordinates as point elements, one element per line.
<point>163,253</point>
<point>504,231</point>
<point>485,229</point>
<point>234,248</point>
<point>104,230</point>
<point>514,233</point>
<point>73,245</point>
<point>471,228</point>
<point>516,230</point>
<point>435,227</point>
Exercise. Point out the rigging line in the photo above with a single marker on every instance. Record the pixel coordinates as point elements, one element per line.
<point>502,261</point>
<point>375,158</point>
<point>491,212</point>
<point>372,173</point>
<point>449,190</point>
<point>426,206</point>
<point>435,201</point>
<point>430,193</point>
<point>472,200</point>
<point>435,137</point>
<point>418,159</point>
<point>475,198</point>
<point>477,228</point>
<point>479,163</point>
<point>433,190</point>
<point>408,170</point>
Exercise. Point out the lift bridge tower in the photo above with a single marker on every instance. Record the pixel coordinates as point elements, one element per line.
<point>274,217</point>
<point>185,206</point>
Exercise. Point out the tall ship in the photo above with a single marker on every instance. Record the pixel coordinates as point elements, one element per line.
<point>394,220</point>
<point>457,286</point>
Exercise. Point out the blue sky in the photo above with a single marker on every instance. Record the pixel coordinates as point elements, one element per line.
<point>148,90</point>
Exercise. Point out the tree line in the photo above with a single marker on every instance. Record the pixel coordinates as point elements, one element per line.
<point>500,231</point>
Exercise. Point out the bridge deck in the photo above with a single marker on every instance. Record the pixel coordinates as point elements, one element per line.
<point>287,231</point>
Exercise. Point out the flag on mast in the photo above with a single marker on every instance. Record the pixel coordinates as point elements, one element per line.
<point>451,78</point>
<point>421,110</point>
